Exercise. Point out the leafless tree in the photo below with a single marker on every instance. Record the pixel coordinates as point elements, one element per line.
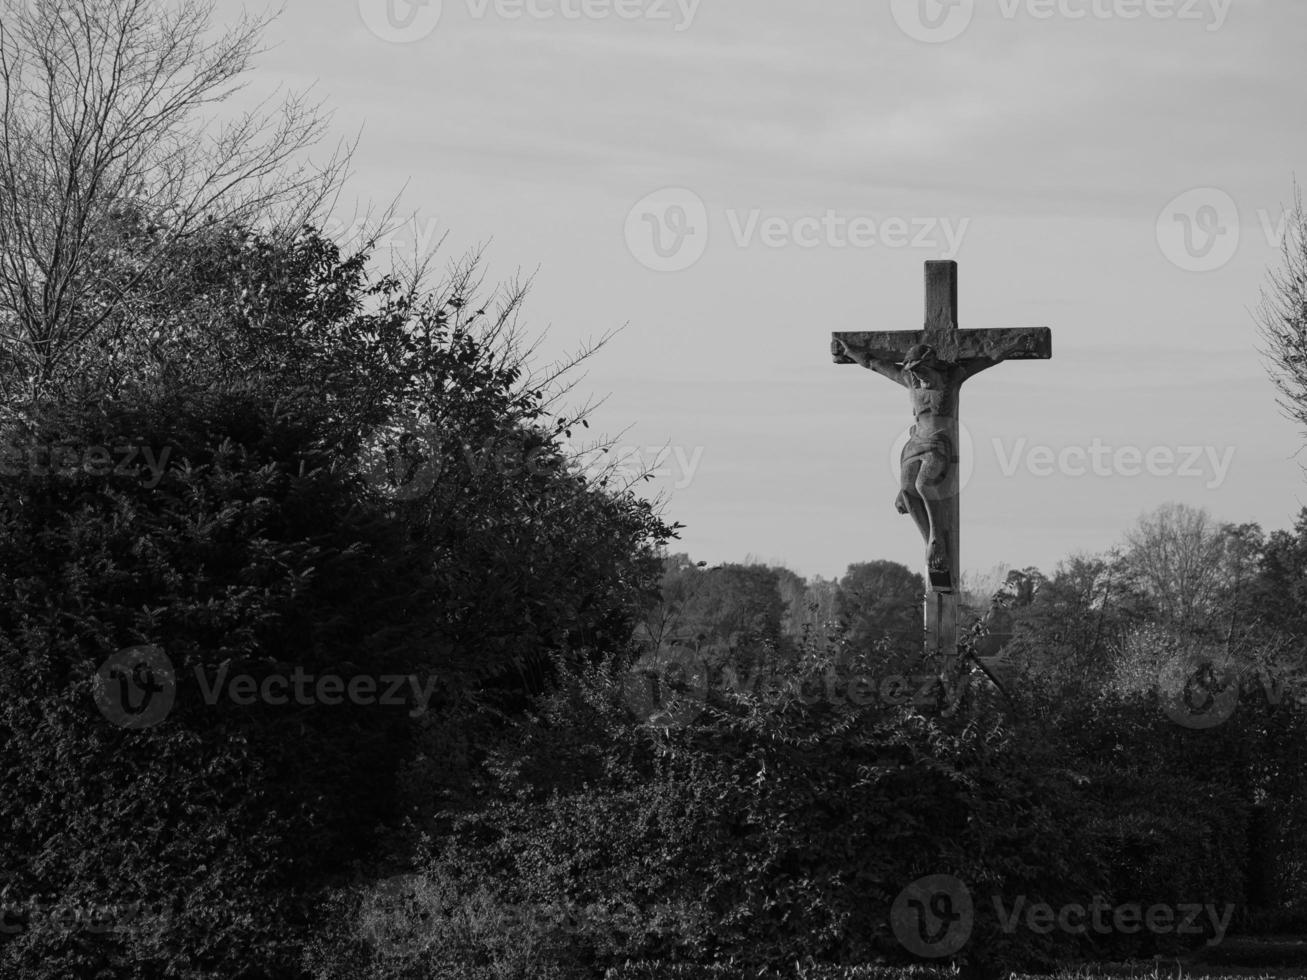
<point>112,154</point>
<point>1190,566</point>
<point>1282,317</point>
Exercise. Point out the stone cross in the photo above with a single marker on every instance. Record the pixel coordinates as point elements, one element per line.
<point>932,364</point>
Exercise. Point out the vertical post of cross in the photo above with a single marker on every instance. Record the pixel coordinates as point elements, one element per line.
<point>941,599</point>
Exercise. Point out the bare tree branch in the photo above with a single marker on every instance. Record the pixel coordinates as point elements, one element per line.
<point>1282,317</point>
<point>108,115</point>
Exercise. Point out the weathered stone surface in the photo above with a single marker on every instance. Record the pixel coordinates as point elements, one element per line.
<point>999,344</point>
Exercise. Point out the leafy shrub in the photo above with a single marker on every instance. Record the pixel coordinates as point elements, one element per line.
<point>279,534</point>
<point>411,927</point>
<point>770,829</point>
<point>252,555</point>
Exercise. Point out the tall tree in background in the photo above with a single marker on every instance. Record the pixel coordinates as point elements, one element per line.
<point>793,590</point>
<point>809,604</point>
<point>110,155</point>
<point>879,602</point>
<point>729,615</point>
<point>1192,570</point>
<point>1281,593</point>
<point>1282,317</point>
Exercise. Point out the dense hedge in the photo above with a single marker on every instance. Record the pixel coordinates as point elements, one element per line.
<point>770,831</point>
<point>194,837</point>
<point>197,845</point>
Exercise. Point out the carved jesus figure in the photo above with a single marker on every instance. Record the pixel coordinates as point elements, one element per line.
<point>933,386</point>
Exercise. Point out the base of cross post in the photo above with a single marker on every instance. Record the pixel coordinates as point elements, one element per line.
<point>941,616</point>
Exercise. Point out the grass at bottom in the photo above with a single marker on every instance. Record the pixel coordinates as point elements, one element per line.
<point>1149,970</point>
<point>1171,970</point>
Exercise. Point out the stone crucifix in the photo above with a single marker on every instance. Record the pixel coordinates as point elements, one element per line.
<point>932,364</point>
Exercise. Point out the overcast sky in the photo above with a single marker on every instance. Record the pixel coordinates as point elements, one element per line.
<point>732,180</point>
